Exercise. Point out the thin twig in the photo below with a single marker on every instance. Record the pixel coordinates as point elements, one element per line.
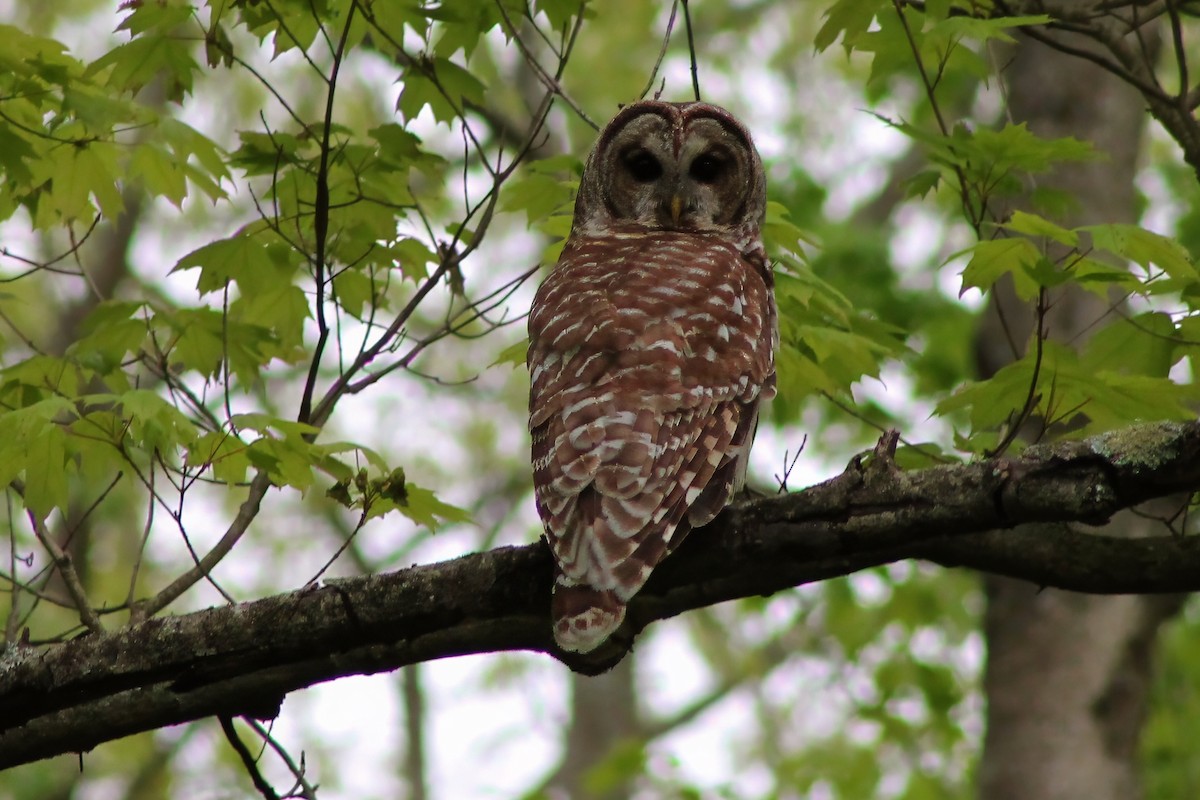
<point>321,223</point>
<point>1180,55</point>
<point>450,259</point>
<point>40,594</point>
<point>854,412</point>
<point>14,599</point>
<point>246,514</point>
<point>1032,398</point>
<point>362,520</point>
<point>449,329</point>
<point>280,18</point>
<point>687,21</point>
<point>66,569</point>
<point>141,553</point>
<point>662,53</point>
<point>306,789</point>
<point>789,465</point>
<point>1109,65</point>
<point>48,263</point>
<point>550,82</point>
<point>247,758</point>
<point>975,220</point>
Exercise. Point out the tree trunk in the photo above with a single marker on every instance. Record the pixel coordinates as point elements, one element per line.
<point>603,716</point>
<point>1067,674</point>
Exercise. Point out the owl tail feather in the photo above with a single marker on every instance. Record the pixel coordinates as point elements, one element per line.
<point>583,617</point>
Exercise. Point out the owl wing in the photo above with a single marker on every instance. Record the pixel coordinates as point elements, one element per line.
<point>649,357</point>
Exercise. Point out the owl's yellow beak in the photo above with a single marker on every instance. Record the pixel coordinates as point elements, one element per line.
<point>676,208</point>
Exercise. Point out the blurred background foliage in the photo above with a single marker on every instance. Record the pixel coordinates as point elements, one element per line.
<point>179,317</point>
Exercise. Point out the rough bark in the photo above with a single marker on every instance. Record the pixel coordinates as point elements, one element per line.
<point>244,659</point>
<point>1067,674</point>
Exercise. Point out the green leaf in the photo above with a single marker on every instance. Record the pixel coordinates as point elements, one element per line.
<point>1101,279</point>
<point>800,376</point>
<point>413,258</point>
<point>131,66</point>
<point>992,259</point>
<point>1188,343</point>
<point>96,446</point>
<point>989,158</point>
<point>423,508</point>
<point>224,260</point>
<point>201,160</point>
<point>982,29</point>
<point>283,310</point>
<point>848,19</point>
<point>329,449</point>
<point>198,339</point>
<point>290,26</point>
<point>538,195</point>
<point>418,92</point>
<point>148,16</point>
<point>186,142</point>
<point>1144,248</point>
<point>440,84</point>
<point>1118,400</point>
<point>287,462</point>
<point>559,12</point>
<point>15,156</point>
<point>155,423</point>
<point>780,233</point>
<point>45,471</point>
<point>1033,225</point>
<point>48,373</point>
<point>263,154</point>
<point>923,455</point>
<point>1014,147</point>
<point>224,453</point>
<point>80,173</point>
<point>354,290</point>
<point>922,183</point>
<point>1141,345</point>
<point>1069,390</point>
<point>334,467</point>
<point>400,148</point>
<point>108,335</point>
<point>160,173</point>
<point>993,402</point>
<point>460,86</point>
<point>513,355</point>
<point>265,423</point>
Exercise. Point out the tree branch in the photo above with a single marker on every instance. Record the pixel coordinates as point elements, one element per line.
<point>243,659</point>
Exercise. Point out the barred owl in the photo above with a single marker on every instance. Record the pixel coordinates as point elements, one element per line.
<point>651,345</point>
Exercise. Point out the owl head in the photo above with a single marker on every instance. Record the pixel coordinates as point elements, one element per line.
<point>673,166</point>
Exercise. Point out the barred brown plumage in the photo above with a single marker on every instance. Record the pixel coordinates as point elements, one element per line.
<point>651,346</point>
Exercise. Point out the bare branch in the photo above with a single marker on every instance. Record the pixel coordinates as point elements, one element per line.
<point>687,23</point>
<point>65,566</point>
<point>246,514</point>
<point>303,787</point>
<point>662,53</point>
<point>321,223</point>
<point>249,762</point>
<point>1005,516</point>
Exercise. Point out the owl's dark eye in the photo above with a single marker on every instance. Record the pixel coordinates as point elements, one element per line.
<point>707,168</point>
<point>643,167</point>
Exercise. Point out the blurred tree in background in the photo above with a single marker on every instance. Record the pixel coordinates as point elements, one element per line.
<point>265,267</point>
